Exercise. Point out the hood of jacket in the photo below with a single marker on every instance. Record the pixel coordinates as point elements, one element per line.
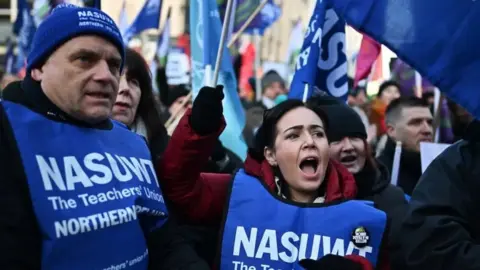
<point>340,183</point>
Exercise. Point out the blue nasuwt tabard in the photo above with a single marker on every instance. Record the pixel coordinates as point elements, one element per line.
<point>266,232</point>
<point>94,192</point>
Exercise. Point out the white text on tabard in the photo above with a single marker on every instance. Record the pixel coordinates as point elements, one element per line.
<point>93,169</point>
<point>290,247</point>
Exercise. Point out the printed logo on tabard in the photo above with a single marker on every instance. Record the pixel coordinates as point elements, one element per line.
<point>360,237</point>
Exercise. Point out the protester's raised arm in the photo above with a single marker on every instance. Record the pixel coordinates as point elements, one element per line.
<point>196,196</point>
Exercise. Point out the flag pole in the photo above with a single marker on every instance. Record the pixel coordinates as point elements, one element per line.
<point>305,93</point>
<point>223,38</point>
<point>396,164</point>
<point>437,117</point>
<point>242,29</point>
<point>257,64</point>
<point>208,80</point>
<point>418,85</point>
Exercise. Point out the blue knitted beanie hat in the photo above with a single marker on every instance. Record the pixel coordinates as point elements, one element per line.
<point>68,21</point>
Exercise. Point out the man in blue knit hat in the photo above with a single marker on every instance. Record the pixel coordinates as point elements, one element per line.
<point>78,191</point>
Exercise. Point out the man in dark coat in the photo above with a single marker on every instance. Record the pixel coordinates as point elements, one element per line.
<point>441,230</point>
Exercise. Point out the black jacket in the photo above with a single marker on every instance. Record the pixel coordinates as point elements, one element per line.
<point>410,166</point>
<point>374,185</point>
<point>20,238</point>
<point>441,230</point>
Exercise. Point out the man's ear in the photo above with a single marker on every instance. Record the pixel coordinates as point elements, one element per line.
<point>270,156</point>
<point>391,132</point>
<point>36,74</point>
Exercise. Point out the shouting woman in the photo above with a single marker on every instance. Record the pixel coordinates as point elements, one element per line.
<point>290,203</point>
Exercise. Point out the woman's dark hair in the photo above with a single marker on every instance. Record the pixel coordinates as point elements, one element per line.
<point>267,132</point>
<point>148,108</point>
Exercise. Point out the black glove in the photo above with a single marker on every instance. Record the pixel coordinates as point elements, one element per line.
<point>330,262</point>
<point>207,110</point>
<point>219,152</point>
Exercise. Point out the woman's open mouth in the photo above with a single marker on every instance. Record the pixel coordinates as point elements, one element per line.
<point>348,160</point>
<point>309,166</point>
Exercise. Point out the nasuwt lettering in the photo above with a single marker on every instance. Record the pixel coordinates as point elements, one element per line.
<point>290,247</point>
<point>70,172</point>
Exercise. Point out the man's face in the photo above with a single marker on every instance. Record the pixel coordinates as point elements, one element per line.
<point>81,77</point>
<point>413,126</point>
<point>274,90</point>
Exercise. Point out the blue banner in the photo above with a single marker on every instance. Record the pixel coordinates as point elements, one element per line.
<point>436,37</point>
<point>322,63</point>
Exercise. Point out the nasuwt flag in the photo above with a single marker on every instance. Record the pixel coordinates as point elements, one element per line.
<point>205,40</point>
<point>148,18</point>
<point>436,37</point>
<point>322,63</point>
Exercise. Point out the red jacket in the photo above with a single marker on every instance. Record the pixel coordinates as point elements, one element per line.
<point>200,198</point>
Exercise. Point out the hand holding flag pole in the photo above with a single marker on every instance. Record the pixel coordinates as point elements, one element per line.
<point>208,78</point>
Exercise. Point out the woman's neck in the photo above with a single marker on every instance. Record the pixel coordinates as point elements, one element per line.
<point>302,197</point>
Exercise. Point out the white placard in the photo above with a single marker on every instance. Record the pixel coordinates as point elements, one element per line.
<point>177,68</point>
<point>429,151</point>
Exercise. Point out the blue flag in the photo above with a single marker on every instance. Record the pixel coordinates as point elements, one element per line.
<point>205,39</point>
<point>24,27</point>
<point>322,62</point>
<point>244,8</point>
<point>148,18</point>
<point>436,37</point>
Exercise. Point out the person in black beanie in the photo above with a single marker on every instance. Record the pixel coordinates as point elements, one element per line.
<point>174,97</point>
<point>347,137</point>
